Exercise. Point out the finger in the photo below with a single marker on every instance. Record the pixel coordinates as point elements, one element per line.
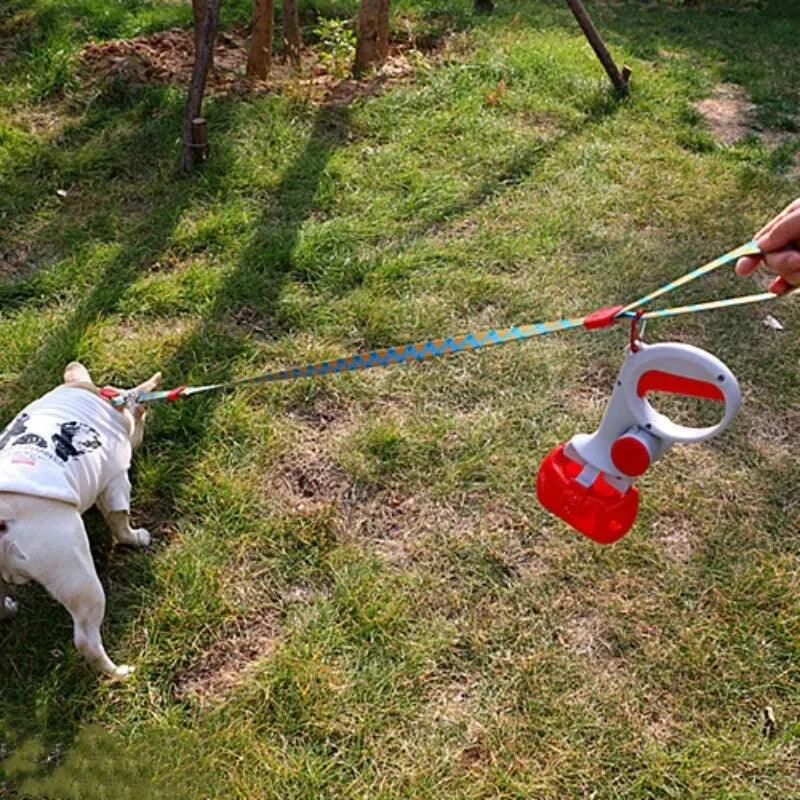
<point>747,265</point>
<point>779,286</point>
<point>785,231</point>
<point>782,262</point>
<point>782,284</point>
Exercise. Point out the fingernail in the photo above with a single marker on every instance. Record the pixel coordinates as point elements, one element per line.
<point>747,265</point>
<point>779,286</point>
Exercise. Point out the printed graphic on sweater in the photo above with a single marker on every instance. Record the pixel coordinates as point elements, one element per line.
<point>73,439</point>
<point>15,428</point>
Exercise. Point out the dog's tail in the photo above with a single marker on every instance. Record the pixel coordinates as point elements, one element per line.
<point>9,549</point>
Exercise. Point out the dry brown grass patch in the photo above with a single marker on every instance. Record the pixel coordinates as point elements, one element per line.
<point>592,392</point>
<point>454,702</point>
<point>676,537</point>
<point>586,634</point>
<point>223,666</point>
<point>773,436</point>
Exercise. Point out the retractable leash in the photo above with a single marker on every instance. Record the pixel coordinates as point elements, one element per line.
<point>589,481</point>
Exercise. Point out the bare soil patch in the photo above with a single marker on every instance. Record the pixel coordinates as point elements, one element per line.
<point>307,477</point>
<point>728,113</point>
<point>730,116</point>
<point>13,260</point>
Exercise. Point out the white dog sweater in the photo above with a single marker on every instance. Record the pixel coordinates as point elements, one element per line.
<point>69,445</point>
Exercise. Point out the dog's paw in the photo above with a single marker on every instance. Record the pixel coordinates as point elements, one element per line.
<point>8,608</point>
<point>142,537</point>
<point>122,672</point>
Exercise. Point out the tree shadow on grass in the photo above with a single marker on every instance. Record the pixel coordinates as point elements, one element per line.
<point>31,669</point>
<point>210,353</point>
<point>43,689</point>
<point>256,283</point>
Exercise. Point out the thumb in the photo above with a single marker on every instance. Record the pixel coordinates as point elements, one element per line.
<point>786,230</point>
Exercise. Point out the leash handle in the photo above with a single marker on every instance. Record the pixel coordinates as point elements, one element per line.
<point>590,481</point>
<point>749,249</point>
<point>633,434</point>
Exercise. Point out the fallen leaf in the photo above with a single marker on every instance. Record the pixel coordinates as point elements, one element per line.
<point>493,98</point>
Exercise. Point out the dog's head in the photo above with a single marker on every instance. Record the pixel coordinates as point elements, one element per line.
<point>77,375</point>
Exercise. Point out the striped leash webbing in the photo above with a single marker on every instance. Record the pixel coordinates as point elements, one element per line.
<point>438,348</point>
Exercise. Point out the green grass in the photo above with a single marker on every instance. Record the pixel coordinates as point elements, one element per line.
<point>423,628</point>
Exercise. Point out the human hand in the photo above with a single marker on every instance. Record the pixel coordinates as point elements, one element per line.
<point>780,241</point>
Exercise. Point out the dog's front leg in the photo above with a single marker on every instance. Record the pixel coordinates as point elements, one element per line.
<point>114,504</point>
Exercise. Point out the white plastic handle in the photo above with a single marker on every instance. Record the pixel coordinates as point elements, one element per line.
<point>680,361</point>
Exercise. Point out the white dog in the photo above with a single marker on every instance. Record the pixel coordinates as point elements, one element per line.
<point>64,453</point>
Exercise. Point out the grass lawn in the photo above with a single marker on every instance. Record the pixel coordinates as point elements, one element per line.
<point>352,591</point>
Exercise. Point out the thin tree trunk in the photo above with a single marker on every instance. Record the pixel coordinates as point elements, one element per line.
<point>619,79</point>
<point>291,31</point>
<point>198,14</point>
<point>259,60</point>
<point>191,151</point>
<point>372,45</point>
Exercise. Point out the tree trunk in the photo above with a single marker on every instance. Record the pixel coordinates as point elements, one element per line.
<point>291,31</point>
<point>198,14</point>
<point>192,151</point>
<point>619,79</point>
<point>259,59</point>
<point>372,44</point>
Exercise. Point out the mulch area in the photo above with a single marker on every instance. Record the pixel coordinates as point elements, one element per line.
<point>166,58</point>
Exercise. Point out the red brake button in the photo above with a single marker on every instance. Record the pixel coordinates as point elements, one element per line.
<point>630,456</point>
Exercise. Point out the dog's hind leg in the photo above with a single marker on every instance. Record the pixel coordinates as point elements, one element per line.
<point>8,605</point>
<point>62,563</point>
<point>83,596</point>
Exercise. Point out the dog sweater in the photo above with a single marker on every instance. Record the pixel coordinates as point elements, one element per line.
<point>69,445</point>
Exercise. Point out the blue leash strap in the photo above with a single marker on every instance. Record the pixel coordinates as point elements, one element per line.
<point>438,348</point>
<point>385,357</point>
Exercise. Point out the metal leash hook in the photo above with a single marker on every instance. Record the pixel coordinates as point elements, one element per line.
<point>636,332</point>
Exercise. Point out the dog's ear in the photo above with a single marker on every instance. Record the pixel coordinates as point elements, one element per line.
<point>150,384</point>
<point>77,373</point>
